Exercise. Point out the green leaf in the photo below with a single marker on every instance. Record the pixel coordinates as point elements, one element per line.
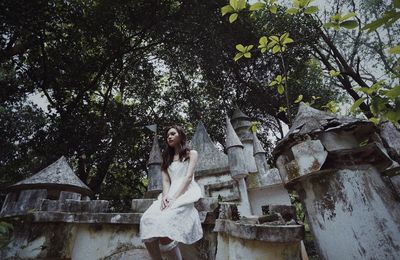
<point>334,73</point>
<point>276,49</point>
<point>349,24</point>
<point>248,48</point>
<point>374,120</point>
<point>393,93</point>
<point>234,4</point>
<point>263,50</point>
<point>273,9</point>
<point>253,126</point>
<point>247,55</point>
<point>336,17</point>
<point>292,10</point>
<point>328,25</point>
<point>263,40</point>
<point>357,104</point>
<point>347,16</point>
<point>372,26</point>
<point>311,10</point>
<point>274,38</point>
<point>298,99</point>
<point>273,83</point>
<point>281,89</point>
<point>238,56</point>
<point>226,9</point>
<point>271,44</point>
<point>256,6</point>
<point>393,116</point>
<point>279,78</point>
<point>395,50</point>
<point>283,36</point>
<point>241,4</point>
<point>233,17</point>
<point>240,48</point>
<point>282,109</point>
<point>287,40</point>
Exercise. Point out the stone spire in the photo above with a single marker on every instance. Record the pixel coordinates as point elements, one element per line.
<point>154,170</point>
<point>237,166</point>
<point>232,138</point>
<point>241,123</point>
<point>257,147</point>
<point>234,147</point>
<point>211,160</point>
<point>259,156</point>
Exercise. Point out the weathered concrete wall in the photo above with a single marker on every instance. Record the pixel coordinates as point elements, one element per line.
<point>91,241</point>
<point>234,248</point>
<point>273,195</point>
<point>352,214</point>
<point>250,241</point>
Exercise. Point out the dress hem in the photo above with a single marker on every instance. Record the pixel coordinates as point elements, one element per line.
<point>179,240</point>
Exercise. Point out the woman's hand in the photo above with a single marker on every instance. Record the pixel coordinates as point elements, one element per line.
<point>164,202</point>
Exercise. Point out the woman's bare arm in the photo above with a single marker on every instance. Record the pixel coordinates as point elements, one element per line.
<point>189,175</point>
<point>166,182</point>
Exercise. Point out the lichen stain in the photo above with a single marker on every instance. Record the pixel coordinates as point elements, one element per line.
<point>315,166</point>
<point>292,170</point>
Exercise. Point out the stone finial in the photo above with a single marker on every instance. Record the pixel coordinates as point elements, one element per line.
<point>155,153</point>
<point>241,123</point>
<point>238,114</point>
<point>211,160</point>
<point>257,147</point>
<point>58,175</point>
<point>231,137</point>
<point>236,157</point>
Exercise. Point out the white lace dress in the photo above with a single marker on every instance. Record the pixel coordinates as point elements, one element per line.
<point>180,221</point>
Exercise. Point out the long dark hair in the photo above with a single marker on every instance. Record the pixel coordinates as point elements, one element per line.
<point>168,153</point>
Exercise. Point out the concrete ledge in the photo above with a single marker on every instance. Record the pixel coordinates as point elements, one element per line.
<point>101,218</point>
<point>96,218</point>
<point>260,232</point>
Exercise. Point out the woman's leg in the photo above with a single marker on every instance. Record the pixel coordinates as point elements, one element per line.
<point>154,249</point>
<point>170,248</point>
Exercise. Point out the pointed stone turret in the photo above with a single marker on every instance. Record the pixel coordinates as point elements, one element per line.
<point>259,156</point>
<point>57,176</point>
<point>237,166</point>
<point>241,123</point>
<point>236,157</point>
<point>336,164</point>
<point>211,160</point>
<point>257,147</point>
<point>154,170</point>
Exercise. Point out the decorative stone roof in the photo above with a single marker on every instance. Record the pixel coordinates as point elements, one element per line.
<point>58,175</point>
<point>211,160</point>
<point>238,114</point>
<point>231,137</point>
<point>257,147</point>
<point>311,122</point>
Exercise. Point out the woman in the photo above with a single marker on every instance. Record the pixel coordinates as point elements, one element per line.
<point>172,218</point>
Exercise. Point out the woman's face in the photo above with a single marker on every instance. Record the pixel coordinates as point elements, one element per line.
<point>173,137</point>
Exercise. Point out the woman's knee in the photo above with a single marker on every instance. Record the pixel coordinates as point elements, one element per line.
<point>165,240</point>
